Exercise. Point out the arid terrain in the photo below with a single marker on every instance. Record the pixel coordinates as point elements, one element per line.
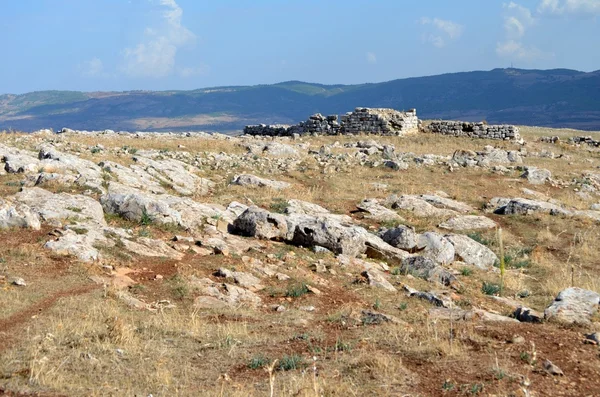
<point>361,265</point>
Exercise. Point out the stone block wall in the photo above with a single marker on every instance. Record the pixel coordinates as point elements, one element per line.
<point>379,121</point>
<point>362,120</point>
<point>475,130</point>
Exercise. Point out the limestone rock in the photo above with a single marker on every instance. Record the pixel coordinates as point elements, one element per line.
<point>425,268</point>
<point>573,305</point>
<point>17,215</point>
<point>471,252</point>
<point>402,237</point>
<point>537,176</point>
<point>252,180</point>
<point>260,223</point>
<point>418,206</point>
<point>436,247</point>
<point>378,212</point>
<point>376,279</point>
<point>468,222</point>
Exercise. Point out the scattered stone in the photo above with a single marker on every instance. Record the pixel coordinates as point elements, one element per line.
<point>18,281</point>
<point>375,278</point>
<point>373,318</point>
<point>552,369</point>
<point>527,315</point>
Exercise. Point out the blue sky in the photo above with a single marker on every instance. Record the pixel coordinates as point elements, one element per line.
<point>103,45</point>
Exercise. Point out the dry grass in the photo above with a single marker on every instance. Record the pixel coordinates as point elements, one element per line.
<point>93,344</point>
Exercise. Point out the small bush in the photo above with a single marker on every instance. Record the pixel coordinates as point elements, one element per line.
<point>466,271</point>
<point>146,219</point>
<point>297,290</point>
<point>490,288</point>
<point>288,363</point>
<point>258,362</point>
<point>479,238</point>
<point>279,206</point>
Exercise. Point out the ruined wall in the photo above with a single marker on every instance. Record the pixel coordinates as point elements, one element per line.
<point>362,120</point>
<point>379,121</point>
<point>475,130</point>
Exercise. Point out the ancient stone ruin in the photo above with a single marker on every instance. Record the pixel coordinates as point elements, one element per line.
<point>474,130</point>
<point>362,120</point>
<point>379,121</point>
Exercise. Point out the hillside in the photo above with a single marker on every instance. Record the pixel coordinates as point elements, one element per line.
<point>554,98</point>
<point>172,264</point>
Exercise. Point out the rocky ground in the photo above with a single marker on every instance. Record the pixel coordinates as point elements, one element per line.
<point>194,264</point>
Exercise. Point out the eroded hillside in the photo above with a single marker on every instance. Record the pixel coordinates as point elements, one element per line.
<point>194,264</point>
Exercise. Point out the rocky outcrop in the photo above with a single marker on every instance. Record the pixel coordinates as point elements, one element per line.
<point>252,180</point>
<point>471,252</point>
<point>436,247</point>
<point>468,222</point>
<point>18,215</point>
<point>139,206</point>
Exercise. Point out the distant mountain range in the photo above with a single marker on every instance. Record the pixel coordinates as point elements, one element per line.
<point>553,98</point>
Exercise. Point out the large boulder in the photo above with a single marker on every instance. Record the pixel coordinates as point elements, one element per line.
<point>472,252</point>
<point>260,223</point>
<point>537,176</point>
<point>573,306</point>
<point>436,247</point>
<point>402,237</point>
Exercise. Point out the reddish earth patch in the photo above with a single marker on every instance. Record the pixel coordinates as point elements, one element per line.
<point>564,347</point>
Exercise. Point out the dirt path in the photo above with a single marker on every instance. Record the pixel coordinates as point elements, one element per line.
<point>9,324</point>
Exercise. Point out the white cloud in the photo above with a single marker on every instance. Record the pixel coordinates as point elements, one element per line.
<point>193,71</point>
<point>155,55</point>
<point>517,21</point>
<point>92,68</point>
<point>442,31</point>
<point>570,7</point>
<point>371,58</point>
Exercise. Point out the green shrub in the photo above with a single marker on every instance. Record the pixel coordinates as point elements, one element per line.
<point>490,288</point>
<point>288,363</point>
<point>297,290</point>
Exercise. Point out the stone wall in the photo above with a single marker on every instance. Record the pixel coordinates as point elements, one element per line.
<point>475,130</point>
<point>362,120</point>
<point>379,121</point>
<point>584,140</point>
